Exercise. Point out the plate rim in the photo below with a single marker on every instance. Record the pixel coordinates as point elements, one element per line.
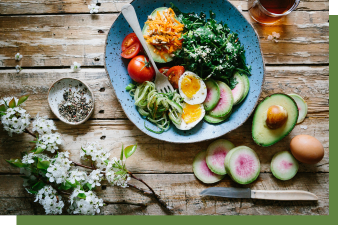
<point>195,141</point>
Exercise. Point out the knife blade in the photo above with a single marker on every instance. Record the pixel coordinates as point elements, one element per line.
<point>287,195</point>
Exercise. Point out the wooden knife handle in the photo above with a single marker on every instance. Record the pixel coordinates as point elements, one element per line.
<point>284,195</point>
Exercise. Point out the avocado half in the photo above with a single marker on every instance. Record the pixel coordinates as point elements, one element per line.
<point>265,136</point>
<point>157,58</point>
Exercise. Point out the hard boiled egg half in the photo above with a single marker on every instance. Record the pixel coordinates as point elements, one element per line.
<point>192,88</point>
<point>191,116</point>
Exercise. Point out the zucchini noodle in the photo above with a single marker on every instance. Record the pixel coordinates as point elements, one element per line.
<point>158,108</point>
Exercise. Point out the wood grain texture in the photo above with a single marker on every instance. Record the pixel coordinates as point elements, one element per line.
<point>109,6</point>
<point>312,83</point>
<point>59,40</point>
<point>181,191</point>
<point>154,156</point>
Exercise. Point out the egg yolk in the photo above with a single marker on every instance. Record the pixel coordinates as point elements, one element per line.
<point>191,113</point>
<point>190,85</point>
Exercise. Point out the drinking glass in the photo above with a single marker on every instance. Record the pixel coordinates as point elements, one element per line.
<point>270,11</point>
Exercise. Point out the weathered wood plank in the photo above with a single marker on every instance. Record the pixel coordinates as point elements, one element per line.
<point>58,40</point>
<point>310,82</point>
<point>108,6</point>
<point>181,191</point>
<point>154,156</point>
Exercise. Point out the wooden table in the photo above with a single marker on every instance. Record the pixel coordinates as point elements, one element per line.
<point>52,34</point>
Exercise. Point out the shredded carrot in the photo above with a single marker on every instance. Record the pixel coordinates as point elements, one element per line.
<point>164,33</point>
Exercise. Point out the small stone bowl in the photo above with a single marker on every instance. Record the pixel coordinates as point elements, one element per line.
<point>55,96</point>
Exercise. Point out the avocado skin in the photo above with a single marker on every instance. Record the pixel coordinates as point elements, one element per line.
<point>261,104</point>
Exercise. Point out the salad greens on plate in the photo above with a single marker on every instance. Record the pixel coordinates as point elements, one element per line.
<point>209,48</point>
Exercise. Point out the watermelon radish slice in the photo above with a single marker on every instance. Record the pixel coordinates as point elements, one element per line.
<point>216,153</point>
<point>214,120</point>
<point>246,87</point>
<point>225,103</point>
<point>213,95</point>
<point>302,107</point>
<point>202,171</point>
<point>239,89</point>
<point>284,166</point>
<point>243,165</point>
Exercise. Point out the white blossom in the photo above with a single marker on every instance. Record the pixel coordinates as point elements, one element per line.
<point>77,175</point>
<point>93,8</point>
<point>48,198</point>
<point>18,56</point>
<point>43,126</point>
<point>58,169</point>
<point>274,36</point>
<point>88,206</point>
<point>29,158</point>
<point>15,120</point>
<point>96,153</point>
<point>49,142</point>
<point>113,167</point>
<point>18,68</point>
<point>76,66</point>
<point>94,178</point>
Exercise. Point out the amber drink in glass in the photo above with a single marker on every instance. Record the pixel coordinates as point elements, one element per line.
<point>270,11</point>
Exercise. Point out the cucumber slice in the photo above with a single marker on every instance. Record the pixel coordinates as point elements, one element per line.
<point>302,107</point>
<point>239,89</point>
<point>145,31</point>
<point>243,165</point>
<point>246,87</point>
<point>216,154</point>
<point>202,171</point>
<point>215,120</point>
<point>213,95</point>
<point>284,166</point>
<point>225,102</point>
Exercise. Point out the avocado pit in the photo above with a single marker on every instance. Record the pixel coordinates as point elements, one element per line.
<point>276,117</point>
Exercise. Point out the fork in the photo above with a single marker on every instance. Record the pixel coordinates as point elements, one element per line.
<point>161,82</point>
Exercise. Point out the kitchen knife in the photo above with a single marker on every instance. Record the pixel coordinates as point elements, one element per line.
<point>288,195</point>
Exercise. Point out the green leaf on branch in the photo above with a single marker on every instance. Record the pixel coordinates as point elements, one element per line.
<point>17,163</point>
<point>39,150</point>
<point>22,99</point>
<point>120,172</point>
<point>2,108</point>
<point>39,185</point>
<point>66,186</point>
<point>32,191</point>
<point>121,157</point>
<point>128,151</point>
<point>83,150</point>
<point>43,165</point>
<point>82,195</point>
<point>12,103</point>
<point>88,186</point>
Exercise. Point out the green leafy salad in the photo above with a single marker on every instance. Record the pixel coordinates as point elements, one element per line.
<point>209,48</point>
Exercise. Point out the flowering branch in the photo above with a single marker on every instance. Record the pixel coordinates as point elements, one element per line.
<point>50,178</point>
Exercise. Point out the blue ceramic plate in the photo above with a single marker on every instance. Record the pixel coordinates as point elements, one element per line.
<point>117,67</point>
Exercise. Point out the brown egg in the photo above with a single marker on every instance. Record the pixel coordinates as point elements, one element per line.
<point>307,149</point>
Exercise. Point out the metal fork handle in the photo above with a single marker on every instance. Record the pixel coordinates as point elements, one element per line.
<point>129,14</point>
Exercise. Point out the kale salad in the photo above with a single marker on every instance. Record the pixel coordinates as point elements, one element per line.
<point>209,48</point>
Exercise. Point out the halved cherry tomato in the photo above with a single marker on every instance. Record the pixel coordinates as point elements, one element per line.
<point>164,70</point>
<point>128,41</point>
<point>140,69</point>
<point>174,74</point>
<point>131,51</point>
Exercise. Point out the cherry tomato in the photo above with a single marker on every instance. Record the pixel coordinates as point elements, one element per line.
<point>164,70</point>
<point>140,69</point>
<point>131,51</point>
<point>174,74</point>
<point>128,41</point>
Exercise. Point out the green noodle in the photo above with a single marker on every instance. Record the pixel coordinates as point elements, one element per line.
<point>158,108</point>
